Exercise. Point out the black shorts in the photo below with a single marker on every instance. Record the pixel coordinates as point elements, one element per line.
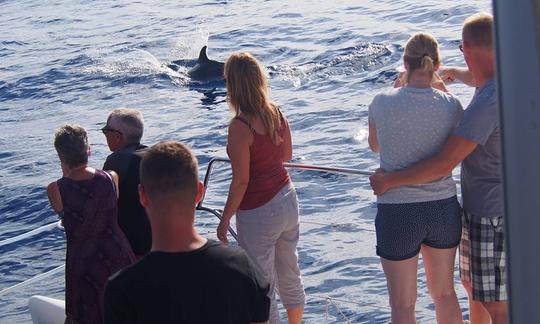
<point>403,228</point>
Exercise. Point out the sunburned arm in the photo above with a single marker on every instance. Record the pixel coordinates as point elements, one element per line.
<point>372,137</point>
<point>287,141</point>
<point>238,143</point>
<point>54,197</point>
<point>116,180</point>
<point>455,73</point>
<point>455,150</point>
<point>438,83</point>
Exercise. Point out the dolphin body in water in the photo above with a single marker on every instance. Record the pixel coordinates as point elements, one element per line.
<point>206,70</point>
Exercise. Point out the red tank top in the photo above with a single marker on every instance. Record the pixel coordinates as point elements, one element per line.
<point>267,175</point>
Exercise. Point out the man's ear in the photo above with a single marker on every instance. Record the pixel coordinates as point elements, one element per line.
<point>200,192</point>
<point>143,197</point>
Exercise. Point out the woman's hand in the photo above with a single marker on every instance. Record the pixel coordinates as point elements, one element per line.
<point>222,230</point>
<point>401,80</point>
<point>438,83</point>
<point>378,182</point>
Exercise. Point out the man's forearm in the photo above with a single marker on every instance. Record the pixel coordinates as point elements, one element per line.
<point>423,172</point>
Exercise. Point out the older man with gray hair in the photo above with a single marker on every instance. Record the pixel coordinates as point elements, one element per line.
<point>123,131</point>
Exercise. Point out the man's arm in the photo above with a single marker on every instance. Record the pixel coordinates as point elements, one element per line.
<point>454,151</point>
<point>455,73</point>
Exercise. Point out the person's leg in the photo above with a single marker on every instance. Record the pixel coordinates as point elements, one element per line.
<point>498,311</point>
<point>439,265</point>
<point>257,237</point>
<point>290,287</point>
<point>497,306</point>
<point>478,314</point>
<point>401,278</point>
<point>487,265</point>
<point>400,230</point>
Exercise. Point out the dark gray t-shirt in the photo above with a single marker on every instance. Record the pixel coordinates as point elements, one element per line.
<point>412,125</point>
<point>481,185</point>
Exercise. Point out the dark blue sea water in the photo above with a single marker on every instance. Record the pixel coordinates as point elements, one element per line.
<point>68,61</point>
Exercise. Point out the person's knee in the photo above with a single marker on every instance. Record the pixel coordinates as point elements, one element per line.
<point>496,309</point>
<point>403,303</point>
<point>442,293</point>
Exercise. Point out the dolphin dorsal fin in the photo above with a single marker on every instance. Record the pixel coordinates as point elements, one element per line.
<point>202,55</point>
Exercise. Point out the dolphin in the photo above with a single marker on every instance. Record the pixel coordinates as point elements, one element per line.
<point>205,70</point>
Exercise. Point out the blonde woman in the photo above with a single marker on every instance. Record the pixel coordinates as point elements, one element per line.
<point>408,124</point>
<point>261,193</point>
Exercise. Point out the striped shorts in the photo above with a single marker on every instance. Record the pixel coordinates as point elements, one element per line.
<point>482,257</point>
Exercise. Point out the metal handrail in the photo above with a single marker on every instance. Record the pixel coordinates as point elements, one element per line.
<point>209,169</point>
<point>33,279</point>
<point>200,206</point>
<point>288,166</point>
<point>31,233</point>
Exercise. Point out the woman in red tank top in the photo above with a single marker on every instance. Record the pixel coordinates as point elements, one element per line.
<point>261,193</point>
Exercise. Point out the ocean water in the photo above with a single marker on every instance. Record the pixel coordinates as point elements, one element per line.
<point>68,61</point>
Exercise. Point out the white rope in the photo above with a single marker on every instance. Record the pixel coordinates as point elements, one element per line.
<point>33,279</point>
<point>28,234</point>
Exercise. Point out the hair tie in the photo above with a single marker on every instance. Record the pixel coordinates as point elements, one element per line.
<point>424,55</point>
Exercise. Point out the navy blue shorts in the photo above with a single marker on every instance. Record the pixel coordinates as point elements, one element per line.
<point>403,228</point>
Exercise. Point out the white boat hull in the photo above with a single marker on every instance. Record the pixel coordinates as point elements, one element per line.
<point>45,310</point>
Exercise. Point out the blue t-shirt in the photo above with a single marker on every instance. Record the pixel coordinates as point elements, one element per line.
<point>481,185</point>
<point>412,125</point>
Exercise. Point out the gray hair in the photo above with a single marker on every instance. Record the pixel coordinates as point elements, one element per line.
<point>71,143</point>
<point>128,121</point>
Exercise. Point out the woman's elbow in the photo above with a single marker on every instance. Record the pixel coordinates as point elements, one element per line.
<point>374,147</point>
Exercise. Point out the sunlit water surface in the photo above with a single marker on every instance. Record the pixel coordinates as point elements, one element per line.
<point>73,61</point>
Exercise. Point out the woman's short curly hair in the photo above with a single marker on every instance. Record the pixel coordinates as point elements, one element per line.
<point>71,143</point>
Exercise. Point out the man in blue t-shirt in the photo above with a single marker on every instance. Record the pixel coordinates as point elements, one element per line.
<point>185,278</point>
<point>476,143</point>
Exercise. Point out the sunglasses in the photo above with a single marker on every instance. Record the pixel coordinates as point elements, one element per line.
<point>106,130</point>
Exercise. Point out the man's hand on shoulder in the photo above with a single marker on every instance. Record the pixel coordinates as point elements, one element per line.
<point>379,182</point>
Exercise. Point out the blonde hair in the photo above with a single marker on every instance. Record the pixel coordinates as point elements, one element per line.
<point>478,30</point>
<point>422,53</point>
<point>247,92</point>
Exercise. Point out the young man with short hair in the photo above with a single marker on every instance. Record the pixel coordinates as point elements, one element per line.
<point>185,278</point>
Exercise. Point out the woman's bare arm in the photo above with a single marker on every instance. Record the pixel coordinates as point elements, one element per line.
<point>238,143</point>
<point>287,141</point>
<point>53,193</point>
<point>372,137</point>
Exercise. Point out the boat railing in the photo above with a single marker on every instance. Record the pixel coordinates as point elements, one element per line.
<point>297,166</point>
<point>201,207</point>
